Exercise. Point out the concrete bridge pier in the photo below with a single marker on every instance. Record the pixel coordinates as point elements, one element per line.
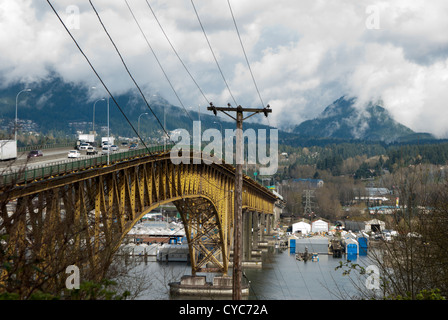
<point>247,236</point>
<point>197,285</point>
<point>270,234</point>
<point>251,255</point>
<point>262,243</point>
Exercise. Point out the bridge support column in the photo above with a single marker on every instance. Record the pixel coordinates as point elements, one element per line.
<point>263,222</point>
<point>268,224</point>
<point>262,226</point>
<point>255,232</point>
<point>270,239</point>
<point>251,254</point>
<point>247,236</point>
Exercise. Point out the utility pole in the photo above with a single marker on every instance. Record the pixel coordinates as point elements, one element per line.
<point>238,193</point>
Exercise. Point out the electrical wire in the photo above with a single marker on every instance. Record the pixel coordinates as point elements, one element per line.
<point>102,82</point>
<point>126,67</point>
<point>96,73</point>
<point>286,284</point>
<point>247,59</point>
<point>158,61</point>
<point>213,53</point>
<point>303,278</point>
<point>280,285</point>
<point>129,73</point>
<point>320,269</point>
<point>245,55</point>
<point>250,287</point>
<point>177,54</point>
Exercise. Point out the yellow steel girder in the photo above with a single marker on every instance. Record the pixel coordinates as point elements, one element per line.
<point>88,213</point>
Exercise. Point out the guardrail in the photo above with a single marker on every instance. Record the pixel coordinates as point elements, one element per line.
<point>24,176</point>
<point>46,146</point>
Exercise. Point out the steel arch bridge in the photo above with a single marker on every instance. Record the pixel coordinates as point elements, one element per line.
<point>89,211</point>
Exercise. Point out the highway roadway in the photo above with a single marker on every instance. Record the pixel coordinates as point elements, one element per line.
<point>50,156</point>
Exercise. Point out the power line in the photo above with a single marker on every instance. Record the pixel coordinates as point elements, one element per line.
<point>245,55</point>
<point>126,67</point>
<point>158,61</point>
<point>247,60</point>
<point>96,73</point>
<point>303,278</point>
<point>213,53</point>
<point>175,51</point>
<point>110,94</point>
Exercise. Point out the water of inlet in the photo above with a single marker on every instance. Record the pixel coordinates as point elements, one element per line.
<point>282,277</point>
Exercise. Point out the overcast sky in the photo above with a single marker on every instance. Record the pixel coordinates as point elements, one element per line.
<point>304,54</point>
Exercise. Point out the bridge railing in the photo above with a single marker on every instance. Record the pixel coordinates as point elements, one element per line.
<point>26,175</point>
<point>45,146</point>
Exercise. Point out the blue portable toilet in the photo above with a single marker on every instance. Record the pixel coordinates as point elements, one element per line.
<point>292,245</point>
<point>363,245</point>
<point>351,249</point>
<point>352,256</point>
<point>351,246</point>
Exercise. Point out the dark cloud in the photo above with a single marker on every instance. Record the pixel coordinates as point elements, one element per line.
<point>303,54</point>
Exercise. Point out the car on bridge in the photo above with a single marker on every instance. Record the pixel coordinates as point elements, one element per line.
<point>133,146</point>
<point>74,154</point>
<point>114,148</point>
<point>83,146</point>
<point>35,153</point>
<point>91,150</point>
<point>105,149</point>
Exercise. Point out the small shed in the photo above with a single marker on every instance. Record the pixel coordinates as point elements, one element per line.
<point>173,252</point>
<point>314,244</point>
<point>319,226</point>
<point>302,227</point>
<point>374,225</point>
<point>355,226</point>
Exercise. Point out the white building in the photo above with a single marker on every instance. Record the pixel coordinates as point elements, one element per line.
<point>301,227</point>
<point>374,225</point>
<point>319,226</point>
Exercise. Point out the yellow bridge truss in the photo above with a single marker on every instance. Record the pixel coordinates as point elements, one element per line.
<point>82,217</point>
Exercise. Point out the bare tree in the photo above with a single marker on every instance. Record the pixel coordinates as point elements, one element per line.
<point>415,262</point>
<point>42,234</point>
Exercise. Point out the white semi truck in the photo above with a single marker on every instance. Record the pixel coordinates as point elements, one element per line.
<point>90,138</point>
<point>8,149</point>
<point>85,137</point>
<point>107,140</point>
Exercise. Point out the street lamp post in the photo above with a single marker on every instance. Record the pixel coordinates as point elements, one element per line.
<point>221,136</point>
<point>93,121</point>
<point>221,127</point>
<point>164,127</point>
<point>15,123</point>
<point>108,133</point>
<point>138,128</point>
